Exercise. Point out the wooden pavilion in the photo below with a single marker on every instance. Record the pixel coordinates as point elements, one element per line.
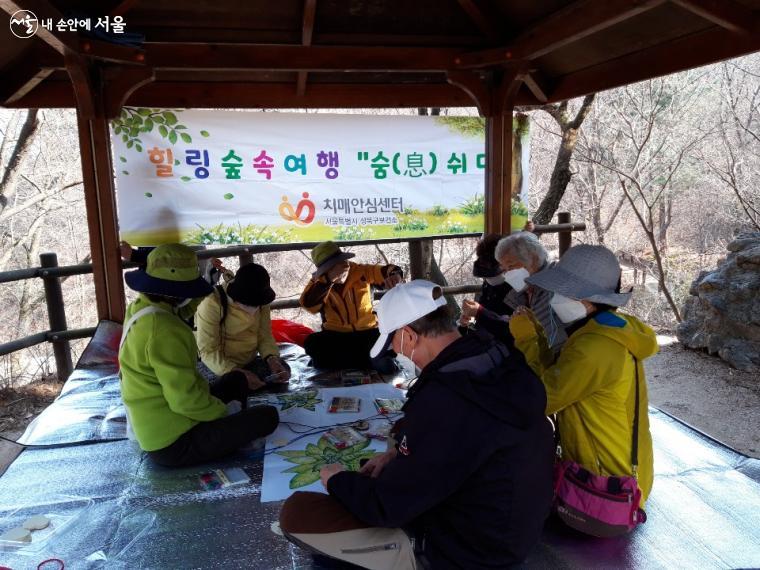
<point>494,54</point>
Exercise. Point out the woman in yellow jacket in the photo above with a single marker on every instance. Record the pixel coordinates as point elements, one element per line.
<point>591,384</point>
<point>234,330</point>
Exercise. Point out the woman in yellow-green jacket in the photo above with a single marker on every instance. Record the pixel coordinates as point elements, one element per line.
<point>591,384</point>
<point>234,330</point>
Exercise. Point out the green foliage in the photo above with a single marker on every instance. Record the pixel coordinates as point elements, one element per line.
<point>438,210</point>
<point>474,127</point>
<point>229,235</point>
<point>352,233</point>
<point>475,206</point>
<point>519,209</point>
<point>309,461</point>
<point>136,120</point>
<point>411,212</point>
<point>410,224</point>
<point>452,227</point>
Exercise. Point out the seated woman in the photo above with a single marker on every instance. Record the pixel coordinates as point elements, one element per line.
<point>592,384</point>
<point>495,288</point>
<point>341,292</point>
<point>174,414</point>
<point>520,256</point>
<point>235,330</point>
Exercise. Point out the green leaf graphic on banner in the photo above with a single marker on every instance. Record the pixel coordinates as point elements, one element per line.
<point>125,172</point>
<point>149,195</point>
<point>176,162</point>
<point>229,196</point>
<point>185,178</point>
<point>121,158</point>
<point>134,121</point>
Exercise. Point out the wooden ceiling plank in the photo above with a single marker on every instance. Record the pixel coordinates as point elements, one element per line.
<point>484,21</point>
<point>695,50</point>
<point>272,95</point>
<point>534,80</point>
<point>725,13</point>
<point>296,58</point>
<point>59,41</point>
<point>122,8</point>
<point>568,25</point>
<point>309,14</point>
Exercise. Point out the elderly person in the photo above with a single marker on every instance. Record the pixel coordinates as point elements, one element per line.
<point>470,474</point>
<point>520,256</point>
<point>592,384</point>
<point>234,328</point>
<point>341,292</point>
<point>174,414</point>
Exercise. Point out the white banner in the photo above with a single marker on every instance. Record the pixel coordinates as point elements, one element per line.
<point>229,177</point>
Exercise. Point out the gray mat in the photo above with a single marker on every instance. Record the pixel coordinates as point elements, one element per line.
<point>115,509</point>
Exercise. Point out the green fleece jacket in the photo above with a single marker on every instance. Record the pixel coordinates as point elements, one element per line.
<point>161,388</point>
<point>591,388</point>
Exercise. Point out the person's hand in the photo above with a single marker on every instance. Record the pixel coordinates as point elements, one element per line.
<point>254,382</point>
<point>125,250</point>
<point>328,471</point>
<point>276,366</point>
<point>217,263</point>
<point>470,309</point>
<point>376,464</point>
<point>529,226</point>
<point>393,279</point>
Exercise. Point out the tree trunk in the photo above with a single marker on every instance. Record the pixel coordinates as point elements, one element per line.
<point>12,173</point>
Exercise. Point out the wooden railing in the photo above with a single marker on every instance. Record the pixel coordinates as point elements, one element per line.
<point>59,334</point>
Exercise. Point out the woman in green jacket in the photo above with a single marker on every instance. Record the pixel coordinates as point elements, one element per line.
<point>592,384</point>
<point>174,414</point>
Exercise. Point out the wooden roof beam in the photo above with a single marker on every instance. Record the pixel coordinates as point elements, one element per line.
<point>22,75</point>
<point>695,50</point>
<point>537,84</point>
<point>297,58</point>
<point>570,24</point>
<point>309,14</point>
<point>268,95</point>
<point>725,13</point>
<point>482,17</point>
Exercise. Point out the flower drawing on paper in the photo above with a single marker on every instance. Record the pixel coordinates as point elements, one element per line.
<point>307,400</point>
<point>309,461</point>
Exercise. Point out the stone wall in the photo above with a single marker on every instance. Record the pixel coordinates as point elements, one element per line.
<point>722,313</point>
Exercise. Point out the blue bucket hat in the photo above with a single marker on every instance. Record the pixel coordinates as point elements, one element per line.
<point>171,271</point>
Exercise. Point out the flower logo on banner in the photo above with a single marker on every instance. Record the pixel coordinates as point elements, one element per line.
<point>290,214</point>
<point>24,24</point>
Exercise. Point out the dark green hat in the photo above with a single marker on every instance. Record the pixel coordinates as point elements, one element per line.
<point>325,255</point>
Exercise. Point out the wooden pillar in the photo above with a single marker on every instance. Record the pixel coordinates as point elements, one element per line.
<point>97,177</point>
<point>500,93</point>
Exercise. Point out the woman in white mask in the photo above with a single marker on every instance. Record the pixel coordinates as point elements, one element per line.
<point>494,289</point>
<point>592,384</point>
<point>519,256</point>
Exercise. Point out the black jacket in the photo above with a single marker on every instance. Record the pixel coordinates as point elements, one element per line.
<point>492,298</point>
<point>473,469</point>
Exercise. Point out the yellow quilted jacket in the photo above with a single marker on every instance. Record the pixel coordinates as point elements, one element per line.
<point>236,341</point>
<point>347,307</point>
<point>591,387</point>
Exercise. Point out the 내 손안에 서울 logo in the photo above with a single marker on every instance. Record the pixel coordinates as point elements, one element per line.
<point>24,24</point>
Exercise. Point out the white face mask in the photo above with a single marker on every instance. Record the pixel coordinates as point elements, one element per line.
<point>494,281</point>
<point>247,308</point>
<point>516,278</point>
<point>568,310</point>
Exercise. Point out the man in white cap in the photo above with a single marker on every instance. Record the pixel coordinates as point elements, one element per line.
<point>467,482</point>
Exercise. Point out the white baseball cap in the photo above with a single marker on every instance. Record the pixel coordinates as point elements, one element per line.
<point>402,305</point>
